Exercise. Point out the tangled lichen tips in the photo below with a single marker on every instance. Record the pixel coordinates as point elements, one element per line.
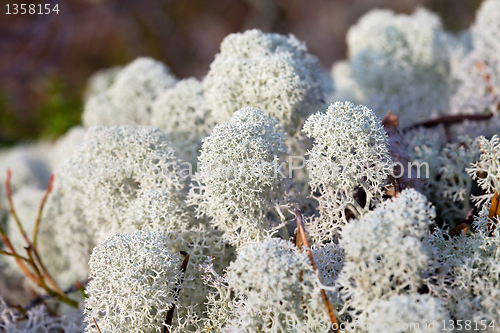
<point>269,71</point>
<point>133,283</point>
<point>239,164</point>
<point>350,151</point>
<point>276,289</point>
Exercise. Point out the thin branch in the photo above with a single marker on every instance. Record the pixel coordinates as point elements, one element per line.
<point>494,212</point>
<point>19,308</point>
<point>5,239</point>
<point>75,287</point>
<point>450,120</point>
<point>39,269</point>
<point>8,190</point>
<point>459,229</point>
<point>97,326</point>
<point>46,274</point>
<point>170,313</point>
<point>301,241</point>
<point>31,262</point>
<point>39,217</point>
<point>15,255</point>
<point>40,273</point>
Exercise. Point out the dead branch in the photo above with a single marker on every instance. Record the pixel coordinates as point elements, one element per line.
<point>96,326</point>
<point>170,313</point>
<point>494,212</point>
<point>40,299</point>
<point>301,241</point>
<point>40,210</point>
<point>39,274</point>
<point>398,149</point>
<point>450,120</point>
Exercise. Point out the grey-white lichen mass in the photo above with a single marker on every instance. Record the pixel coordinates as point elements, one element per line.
<point>272,195</point>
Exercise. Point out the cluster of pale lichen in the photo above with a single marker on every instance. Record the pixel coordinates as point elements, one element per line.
<point>179,206</point>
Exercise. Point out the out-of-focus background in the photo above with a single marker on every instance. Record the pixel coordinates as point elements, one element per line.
<point>45,60</point>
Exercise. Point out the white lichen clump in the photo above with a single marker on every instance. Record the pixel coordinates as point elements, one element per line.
<point>269,71</point>
<point>276,289</point>
<point>345,86</point>
<point>448,184</point>
<point>66,146</point>
<point>403,313</point>
<point>387,251</point>
<point>329,259</point>
<point>156,210</point>
<point>134,281</point>
<point>183,114</point>
<point>95,190</point>
<point>477,69</point>
<point>350,150</point>
<point>472,261</point>
<point>129,99</point>
<point>29,166</point>
<point>101,80</point>
<point>401,63</point>
<point>240,175</point>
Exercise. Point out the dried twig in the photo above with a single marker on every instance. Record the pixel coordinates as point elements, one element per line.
<point>46,274</point>
<point>450,120</point>
<point>170,313</point>
<point>39,274</point>
<point>8,191</point>
<point>40,299</point>
<point>96,326</point>
<point>458,118</point>
<point>19,261</point>
<point>301,241</point>
<point>39,217</point>
<point>494,212</point>
<point>15,255</point>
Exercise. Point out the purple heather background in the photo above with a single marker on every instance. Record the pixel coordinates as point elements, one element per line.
<point>45,60</point>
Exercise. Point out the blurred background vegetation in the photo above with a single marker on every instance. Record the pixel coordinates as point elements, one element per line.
<point>45,60</point>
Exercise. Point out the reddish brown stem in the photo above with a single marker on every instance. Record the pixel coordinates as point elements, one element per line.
<point>170,313</point>
<point>41,273</point>
<point>19,262</point>
<point>46,274</point>
<point>41,298</point>
<point>450,120</point>
<point>301,241</point>
<point>461,228</point>
<point>494,212</point>
<point>96,326</point>
<point>8,191</point>
<point>42,204</point>
<point>15,255</point>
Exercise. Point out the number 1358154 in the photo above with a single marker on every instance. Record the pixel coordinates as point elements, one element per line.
<point>32,9</point>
